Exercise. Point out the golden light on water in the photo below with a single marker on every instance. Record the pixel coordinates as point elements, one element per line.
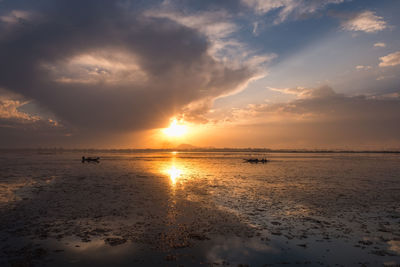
<point>175,129</point>
<point>174,170</point>
<point>174,173</point>
<point>178,170</point>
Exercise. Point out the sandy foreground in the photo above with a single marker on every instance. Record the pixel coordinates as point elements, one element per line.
<point>199,209</point>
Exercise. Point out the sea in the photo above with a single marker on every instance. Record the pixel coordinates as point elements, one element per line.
<point>199,208</point>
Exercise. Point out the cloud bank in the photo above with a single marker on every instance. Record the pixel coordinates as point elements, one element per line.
<point>102,66</point>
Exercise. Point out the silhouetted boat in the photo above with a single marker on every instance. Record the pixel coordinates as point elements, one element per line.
<point>256,160</point>
<point>90,159</point>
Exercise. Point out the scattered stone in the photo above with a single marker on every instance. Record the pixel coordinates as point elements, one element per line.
<point>170,258</point>
<point>114,241</point>
<point>365,242</point>
<point>382,253</point>
<point>198,237</point>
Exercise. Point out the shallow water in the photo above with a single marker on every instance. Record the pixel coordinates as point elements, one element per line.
<point>199,209</point>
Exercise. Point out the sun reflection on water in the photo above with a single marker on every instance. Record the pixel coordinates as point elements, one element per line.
<point>179,171</point>
<point>174,173</point>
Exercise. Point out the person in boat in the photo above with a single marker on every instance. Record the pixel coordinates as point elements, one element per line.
<point>89,159</point>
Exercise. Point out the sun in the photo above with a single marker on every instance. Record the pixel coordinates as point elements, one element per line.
<point>175,129</point>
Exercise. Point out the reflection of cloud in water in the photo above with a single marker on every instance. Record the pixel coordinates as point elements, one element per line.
<point>8,191</point>
<point>94,244</point>
<point>95,249</point>
<point>235,249</point>
<point>394,246</point>
<point>21,188</point>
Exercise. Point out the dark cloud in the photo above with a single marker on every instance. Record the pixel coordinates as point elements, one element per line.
<point>20,134</point>
<point>100,65</point>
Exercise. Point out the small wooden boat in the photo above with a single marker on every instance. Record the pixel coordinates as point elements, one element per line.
<point>256,160</point>
<point>90,159</point>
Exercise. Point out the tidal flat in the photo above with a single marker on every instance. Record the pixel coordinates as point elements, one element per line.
<point>199,209</point>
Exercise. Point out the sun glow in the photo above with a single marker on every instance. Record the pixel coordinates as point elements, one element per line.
<point>175,129</point>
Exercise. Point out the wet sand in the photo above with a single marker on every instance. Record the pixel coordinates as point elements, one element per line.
<point>199,209</point>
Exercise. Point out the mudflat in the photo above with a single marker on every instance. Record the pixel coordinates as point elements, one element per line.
<point>191,209</point>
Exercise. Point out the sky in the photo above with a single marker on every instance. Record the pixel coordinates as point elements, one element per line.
<point>312,74</point>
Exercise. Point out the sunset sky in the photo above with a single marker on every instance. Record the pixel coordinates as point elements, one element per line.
<point>239,73</point>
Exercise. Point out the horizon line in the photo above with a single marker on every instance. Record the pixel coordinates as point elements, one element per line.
<point>212,149</point>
